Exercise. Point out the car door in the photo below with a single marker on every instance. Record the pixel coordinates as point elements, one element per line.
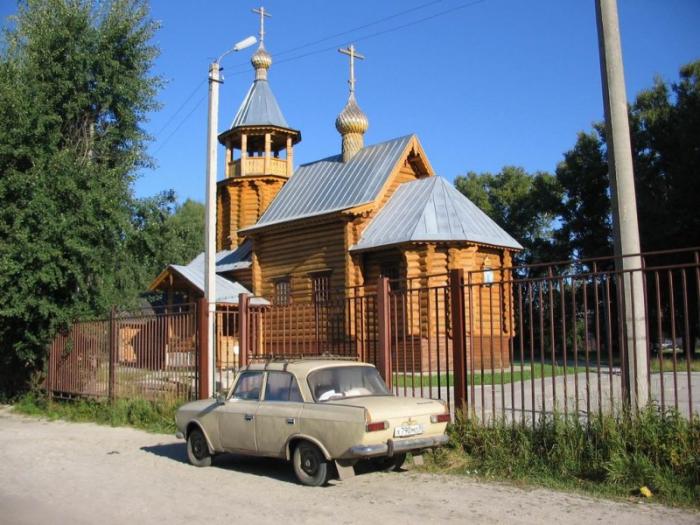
<point>278,413</point>
<point>237,415</point>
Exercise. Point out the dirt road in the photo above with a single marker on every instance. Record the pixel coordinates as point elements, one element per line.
<point>56,472</point>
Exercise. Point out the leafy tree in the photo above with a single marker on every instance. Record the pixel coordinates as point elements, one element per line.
<point>665,134</point>
<point>74,88</point>
<point>522,204</point>
<point>586,223</point>
<point>163,232</point>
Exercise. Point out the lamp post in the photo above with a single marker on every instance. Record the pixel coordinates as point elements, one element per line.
<point>210,204</point>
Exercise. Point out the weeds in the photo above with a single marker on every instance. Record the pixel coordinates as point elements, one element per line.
<point>138,413</point>
<point>608,456</point>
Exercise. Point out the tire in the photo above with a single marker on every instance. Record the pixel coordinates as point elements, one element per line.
<point>388,464</point>
<point>310,466</point>
<point>197,449</point>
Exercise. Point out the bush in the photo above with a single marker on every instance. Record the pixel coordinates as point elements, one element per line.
<point>659,450</point>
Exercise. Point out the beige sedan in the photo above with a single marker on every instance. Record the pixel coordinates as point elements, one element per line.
<point>317,413</point>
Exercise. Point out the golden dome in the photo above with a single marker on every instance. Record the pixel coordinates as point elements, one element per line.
<point>261,59</point>
<point>352,119</point>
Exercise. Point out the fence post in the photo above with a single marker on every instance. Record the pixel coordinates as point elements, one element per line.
<point>113,349</point>
<point>202,354</point>
<point>459,355</point>
<point>243,301</point>
<point>384,331</point>
<point>50,374</point>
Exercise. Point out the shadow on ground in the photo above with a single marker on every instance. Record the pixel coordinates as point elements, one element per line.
<point>267,467</point>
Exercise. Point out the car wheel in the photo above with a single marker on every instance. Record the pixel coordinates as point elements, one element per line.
<point>197,449</point>
<point>387,464</point>
<point>310,466</point>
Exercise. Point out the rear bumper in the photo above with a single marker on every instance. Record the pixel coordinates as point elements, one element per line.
<point>392,447</point>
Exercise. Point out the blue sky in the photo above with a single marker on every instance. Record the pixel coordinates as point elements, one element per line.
<point>491,83</point>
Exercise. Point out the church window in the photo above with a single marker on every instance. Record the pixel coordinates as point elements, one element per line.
<point>282,291</point>
<point>320,286</point>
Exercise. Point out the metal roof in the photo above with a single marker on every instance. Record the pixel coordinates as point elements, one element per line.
<point>330,184</point>
<point>226,291</point>
<point>259,108</point>
<point>229,260</point>
<point>431,209</point>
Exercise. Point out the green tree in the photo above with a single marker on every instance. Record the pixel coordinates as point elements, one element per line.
<point>163,232</point>
<point>665,134</point>
<point>522,204</point>
<point>74,89</point>
<point>585,220</point>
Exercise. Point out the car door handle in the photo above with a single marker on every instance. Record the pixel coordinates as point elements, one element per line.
<point>291,420</point>
<point>248,417</point>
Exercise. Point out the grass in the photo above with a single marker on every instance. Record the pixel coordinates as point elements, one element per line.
<point>158,417</point>
<point>489,377</point>
<point>681,364</point>
<point>531,371</point>
<point>611,457</point>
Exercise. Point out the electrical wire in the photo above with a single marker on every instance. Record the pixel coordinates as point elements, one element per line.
<point>177,112</point>
<point>323,50</point>
<point>184,119</point>
<point>369,36</point>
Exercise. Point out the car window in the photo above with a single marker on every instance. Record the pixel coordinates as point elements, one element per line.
<point>338,382</point>
<point>282,386</point>
<point>248,386</point>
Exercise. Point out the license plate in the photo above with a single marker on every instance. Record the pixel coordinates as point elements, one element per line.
<point>408,430</point>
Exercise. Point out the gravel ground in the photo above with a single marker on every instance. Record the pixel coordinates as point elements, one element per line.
<point>58,472</point>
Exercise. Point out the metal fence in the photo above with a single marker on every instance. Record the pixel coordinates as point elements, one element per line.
<point>509,343</point>
<point>504,343</point>
<point>143,354</point>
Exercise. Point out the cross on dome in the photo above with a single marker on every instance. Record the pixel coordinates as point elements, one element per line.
<point>263,13</point>
<point>353,54</point>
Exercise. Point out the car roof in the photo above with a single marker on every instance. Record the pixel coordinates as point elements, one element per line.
<point>302,367</point>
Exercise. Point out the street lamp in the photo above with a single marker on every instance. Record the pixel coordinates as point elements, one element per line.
<point>210,204</point>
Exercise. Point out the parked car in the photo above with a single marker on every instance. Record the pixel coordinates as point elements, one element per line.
<point>316,413</point>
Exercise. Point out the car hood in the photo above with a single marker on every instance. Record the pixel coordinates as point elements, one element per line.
<point>389,407</point>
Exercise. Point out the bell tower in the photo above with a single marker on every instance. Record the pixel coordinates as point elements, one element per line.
<point>259,154</point>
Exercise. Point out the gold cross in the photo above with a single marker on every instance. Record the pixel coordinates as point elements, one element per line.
<point>263,13</point>
<point>353,54</point>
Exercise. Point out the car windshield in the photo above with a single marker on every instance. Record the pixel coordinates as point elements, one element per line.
<point>340,382</point>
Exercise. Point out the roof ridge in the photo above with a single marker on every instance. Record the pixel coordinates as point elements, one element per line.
<point>426,197</point>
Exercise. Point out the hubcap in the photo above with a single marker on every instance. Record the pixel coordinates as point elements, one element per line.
<point>198,447</point>
<point>309,463</point>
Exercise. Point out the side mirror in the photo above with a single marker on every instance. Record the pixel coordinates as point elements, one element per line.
<point>220,399</point>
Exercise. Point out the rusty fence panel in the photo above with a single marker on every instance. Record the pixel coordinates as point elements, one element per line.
<point>135,354</point>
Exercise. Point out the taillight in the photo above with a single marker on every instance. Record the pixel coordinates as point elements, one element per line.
<point>440,418</point>
<point>379,425</point>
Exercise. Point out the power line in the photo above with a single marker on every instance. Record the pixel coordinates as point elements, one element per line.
<point>385,31</point>
<point>371,35</point>
<point>177,112</point>
<point>324,50</point>
<point>184,119</point>
<point>358,28</point>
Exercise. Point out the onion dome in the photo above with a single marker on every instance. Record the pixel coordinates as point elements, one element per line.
<point>352,119</point>
<point>261,61</point>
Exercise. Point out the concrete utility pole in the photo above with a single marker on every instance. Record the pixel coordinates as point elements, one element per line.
<point>210,205</point>
<point>624,201</point>
<point>210,223</point>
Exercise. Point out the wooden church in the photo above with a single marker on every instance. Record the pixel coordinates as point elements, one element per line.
<point>340,222</point>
